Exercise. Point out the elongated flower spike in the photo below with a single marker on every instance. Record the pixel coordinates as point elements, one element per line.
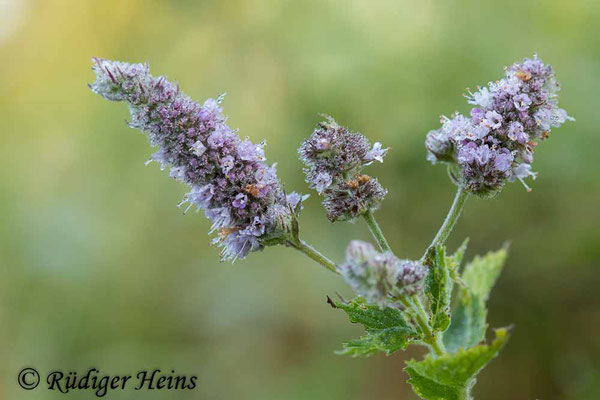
<point>334,157</point>
<point>228,176</point>
<point>496,143</point>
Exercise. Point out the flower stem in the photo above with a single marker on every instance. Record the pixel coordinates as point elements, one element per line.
<point>433,339</point>
<point>314,254</point>
<point>450,221</point>
<point>376,231</point>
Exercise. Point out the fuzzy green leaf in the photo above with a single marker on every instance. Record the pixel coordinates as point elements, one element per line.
<point>468,323</point>
<point>469,316</point>
<point>453,262</point>
<point>481,274</point>
<point>451,376</point>
<point>386,341</point>
<point>438,288</point>
<point>372,317</point>
<point>387,329</point>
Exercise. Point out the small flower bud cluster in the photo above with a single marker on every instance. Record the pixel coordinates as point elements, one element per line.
<point>334,157</point>
<point>228,176</point>
<point>496,143</point>
<point>352,198</point>
<point>378,276</point>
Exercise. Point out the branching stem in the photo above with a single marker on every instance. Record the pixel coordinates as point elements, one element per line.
<point>314,254</point>
<point>422,319</point>
<point>412,302</point>
<point>432,339</point>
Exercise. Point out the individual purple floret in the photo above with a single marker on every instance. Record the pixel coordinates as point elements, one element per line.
<point>378,276</point>
<point>496,144</point>
<point>295,200</point>
<point>228,177</point>
<point>334,157</point>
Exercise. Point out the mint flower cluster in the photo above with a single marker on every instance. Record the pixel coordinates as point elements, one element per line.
<point>380,277</point>
<point>334,157</point>
<point>399,301</point>
<point>496,143</point>
<point>228,176</point>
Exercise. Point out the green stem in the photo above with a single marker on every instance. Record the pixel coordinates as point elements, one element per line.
<point>314,254</point>
<point>376,231</point>
<point>450,221</point>
<point>465,393</point>
<point>436,338</point>
<point>433,340</point>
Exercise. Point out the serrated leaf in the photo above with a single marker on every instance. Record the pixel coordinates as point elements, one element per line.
<point>386,341</point>
<point>481,274</point>
<point>387,329</point>
<point>451,376</point>
<point>372,317</point>
<point>469,316</point>
<point>438,288</point>
<point>453,262</point>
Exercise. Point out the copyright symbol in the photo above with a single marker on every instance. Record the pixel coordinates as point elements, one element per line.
<point>28,378</point>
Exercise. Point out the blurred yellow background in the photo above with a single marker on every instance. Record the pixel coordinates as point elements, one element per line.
<point>100,269</point>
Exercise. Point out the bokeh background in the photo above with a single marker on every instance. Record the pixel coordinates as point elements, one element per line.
<point>100,269</point>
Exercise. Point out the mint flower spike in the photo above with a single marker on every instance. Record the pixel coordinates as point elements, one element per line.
<point>228,176</point>
<point>496,143</point>
<point>379,277</point>
<point>334,157</point>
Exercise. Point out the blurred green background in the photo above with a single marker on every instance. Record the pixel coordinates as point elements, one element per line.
<point>100,269</point>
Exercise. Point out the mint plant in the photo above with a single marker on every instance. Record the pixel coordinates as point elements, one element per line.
<point>430,302</point>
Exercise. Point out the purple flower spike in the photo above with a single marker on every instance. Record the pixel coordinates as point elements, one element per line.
<point>496,144</point>
<point>228,177</point>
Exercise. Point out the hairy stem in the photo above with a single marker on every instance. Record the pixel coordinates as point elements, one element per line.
<point>314,254</point>
<point>450,221</point>
<point>376,231</point>
<point>436,338</point>
<point>465,393</point>
<point>421,318</point>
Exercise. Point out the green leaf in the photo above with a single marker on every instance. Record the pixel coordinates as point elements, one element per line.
<point>386,341</point>
<point>469,316</point>
<point>438,288</point>
<point>387,329</point>
<point>453,262</point>
<point>468,323</point>
<point>451,376</point>
<point>481,274</point>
